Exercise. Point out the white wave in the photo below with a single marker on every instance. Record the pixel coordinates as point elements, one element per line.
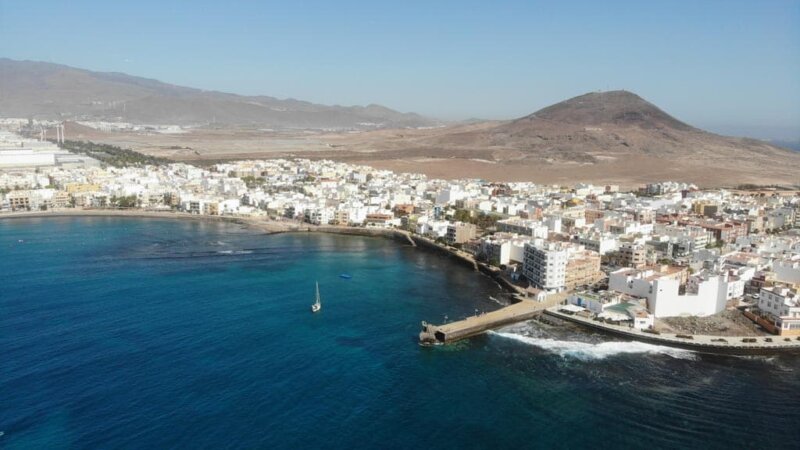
<point>586,351</point>
<point>234,252</point>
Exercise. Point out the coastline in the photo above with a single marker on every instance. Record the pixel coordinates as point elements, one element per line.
<point>269,226</point>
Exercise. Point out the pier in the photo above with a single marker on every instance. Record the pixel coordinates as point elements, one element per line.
<point>471,326</point>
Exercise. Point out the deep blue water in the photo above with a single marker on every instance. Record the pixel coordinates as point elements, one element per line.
<point>132,333</point>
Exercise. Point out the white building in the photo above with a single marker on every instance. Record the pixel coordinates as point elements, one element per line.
<point>599,243</point>
<point>788,270</point>
<point>780,302</point>
<point>662,291</point>
<point>504,248</point>
<point>545,265</point>
<point>782,305</point>
<point>525,227</point>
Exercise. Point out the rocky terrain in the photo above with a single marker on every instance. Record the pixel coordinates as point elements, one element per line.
<point>730,322</point>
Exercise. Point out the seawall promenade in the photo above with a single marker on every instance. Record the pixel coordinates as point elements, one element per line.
<point>703,343</point>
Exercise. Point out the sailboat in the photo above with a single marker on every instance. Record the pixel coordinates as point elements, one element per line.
<point>317,305</point>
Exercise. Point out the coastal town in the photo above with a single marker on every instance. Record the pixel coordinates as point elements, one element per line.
<point>663,257</point>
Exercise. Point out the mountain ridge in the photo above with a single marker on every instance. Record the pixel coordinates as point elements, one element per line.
<point>56,91</point>
<point>613,136</point>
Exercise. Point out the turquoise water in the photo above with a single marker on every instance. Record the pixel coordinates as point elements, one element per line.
<point>133,333</point>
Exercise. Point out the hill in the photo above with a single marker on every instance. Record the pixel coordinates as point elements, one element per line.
<point>611,137</point>
<point>52,91</point>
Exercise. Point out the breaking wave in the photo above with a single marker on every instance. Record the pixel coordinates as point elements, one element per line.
<point>588,351</point>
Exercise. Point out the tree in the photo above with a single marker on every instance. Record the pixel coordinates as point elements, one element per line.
<point>252,182</point>
<point>128,201</point>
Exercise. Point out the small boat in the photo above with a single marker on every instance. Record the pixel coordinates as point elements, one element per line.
<point>346,276</point>
<point>317,305</point>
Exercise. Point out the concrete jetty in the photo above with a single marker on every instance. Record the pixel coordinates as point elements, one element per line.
<point>450,332</point>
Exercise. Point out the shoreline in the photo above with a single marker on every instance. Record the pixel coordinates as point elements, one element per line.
<point>269,226</point>
<point>717,345</point>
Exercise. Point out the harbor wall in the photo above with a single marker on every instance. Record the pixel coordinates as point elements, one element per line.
<point>699,343</point>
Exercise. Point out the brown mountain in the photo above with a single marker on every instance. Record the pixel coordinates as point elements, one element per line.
<point>601,108</point>
<point>53,91</point>
<point>614,137</point>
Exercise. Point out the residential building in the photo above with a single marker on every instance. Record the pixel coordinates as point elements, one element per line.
<point>582,269</point>
<point>460,232</point>
<point>782,306</point>
<point>662,290</point>
<point>545,265</point>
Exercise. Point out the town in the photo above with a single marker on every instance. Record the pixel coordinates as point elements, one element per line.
<point>666,256</point>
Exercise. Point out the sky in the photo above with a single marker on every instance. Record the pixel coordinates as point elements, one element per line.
<point>728,66</point>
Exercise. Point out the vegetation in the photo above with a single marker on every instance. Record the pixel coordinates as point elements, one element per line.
<point>113,155</point>
<point>486,221</point>
<point>463,215</point>
<point>482,220</point>
<point>253,182</point>
<point>128,201</point>
<point>757,187</point>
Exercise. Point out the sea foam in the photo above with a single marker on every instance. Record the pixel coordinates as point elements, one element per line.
<point>588,351</point>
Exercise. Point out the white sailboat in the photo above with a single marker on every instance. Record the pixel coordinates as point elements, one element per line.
<point>317,305</point>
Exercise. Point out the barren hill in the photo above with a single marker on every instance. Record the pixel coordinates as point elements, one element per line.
<point>621,108</point>
<point>51,91</point>
<point>614,137</point>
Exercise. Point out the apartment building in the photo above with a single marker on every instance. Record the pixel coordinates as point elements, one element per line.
<point>782,306</point>
<point>632,255</point>
<point>582,269</point>
<point>545,265</point>
<point>460,232</point>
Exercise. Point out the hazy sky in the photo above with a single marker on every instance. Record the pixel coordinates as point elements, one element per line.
<point>730,66</point>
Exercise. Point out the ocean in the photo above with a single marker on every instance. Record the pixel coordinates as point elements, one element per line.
<point>147,333</point>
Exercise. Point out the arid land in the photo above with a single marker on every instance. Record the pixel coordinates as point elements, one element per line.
<point>418,151</point>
